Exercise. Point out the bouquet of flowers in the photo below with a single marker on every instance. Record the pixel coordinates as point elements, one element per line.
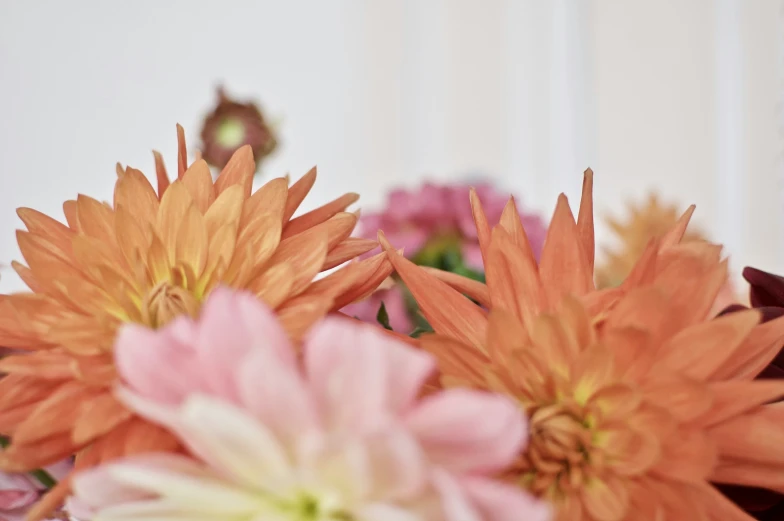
<point>182,348</point>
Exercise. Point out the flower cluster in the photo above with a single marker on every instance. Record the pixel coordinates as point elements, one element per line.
<point>434,227</point>
<point>184,347</point>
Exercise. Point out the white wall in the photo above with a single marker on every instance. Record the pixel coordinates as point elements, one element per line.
<point>682,96</point>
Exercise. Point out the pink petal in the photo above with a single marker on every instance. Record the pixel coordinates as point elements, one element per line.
<point>455,505</point>
<point>472,256</point>
<point>346,376</point>
<point>361,374</point>
<point>498,501</point>
<point>16,491</point>
<point>469,431</point>
<point>153,364</point>
<point>233,324</point>
<point>275,392</point>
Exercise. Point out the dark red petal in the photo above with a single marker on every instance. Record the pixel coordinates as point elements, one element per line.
<point>767,289</point>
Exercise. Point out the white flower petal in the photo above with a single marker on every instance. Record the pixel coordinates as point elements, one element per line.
<point>384,512</point>
<point>187,493</point>
<point>231,440</point>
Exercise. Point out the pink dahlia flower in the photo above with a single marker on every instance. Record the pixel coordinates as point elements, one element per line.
<point>337,433</point>
<point>435,217</point>
<point>18,492</point>
<point>435,228</point>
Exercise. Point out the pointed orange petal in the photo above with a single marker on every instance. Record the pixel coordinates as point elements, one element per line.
<point>298,315</point>
<point>510,221</point>
<point>319,215</point>
<point>735,397</point>
<point>137,436</point>
<point>256,244</point>
<point>306,253</point>
<point>72,215</point>
<point>482,226</point>
<point>456,359</point>
<point>135,193</point>
<point>297,193</point>
<point>689,457</point>
<point>174,207</point>
<point>191,241</point>
<point>47,365</point>
<point>103,414</point>
<point>699,351</point>
<point>449,312</point>
<point>353,282</point>
<point>238,171</point>
<point>182,152</point>
<point>470,287</point>
<point>674,236</point>
<point>274,285</point>
<point>513,278</point>
<point>226,209</point>
<point>56,414</point>
<point>160,173</point>
<point>270,199</point>
<point>563,267</point>
<point>644,270</point>
<point>585,227</point>
<point>758,350</point>
<point>755,437</point>
<point>731,472</point>
<point>96,219</point>
<point>347,250</point>
<point>198,180</point>
<point>56,232</point>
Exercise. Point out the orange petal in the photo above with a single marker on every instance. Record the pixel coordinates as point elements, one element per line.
<point>348,249</point>
<point>135,193</point>
<point>274,285</point>
<point>734,397</point>
<point>482,227</point>
<point>456,359</point>
<point>470,287</point>
<point>563,267</point>
<point>585,228</point>
<point>226,209</point>
<point>191,240</point>
<point>103,414</point>
<point>297,193</point>
<point>674,236</point>
<point>755,437</point>
<point>306,253</point>
<point>684,398</point>
<point>513,278</point>
<point>733,472</point>
<point>689,456</point>
<point>54,231</point>
<point>46,365</point>
<point>447,311</point>
<point>56,414</point>
<point>270,199</point>
<point>182,152</point>
<point>198,180</point>
<point>256,244</point>
<point>757,351</point>
<point>96,219</point>
<point>319,215</point>
<point>362,279</point>
<point>238,171</point>
<point>72,215</point>
<point>161,174</point>
<point>606,499</point>
<point>699,351</point>
<point>298,315</point>
<point>644,270</point>
<point>510,221</point>
<point>174,207</point>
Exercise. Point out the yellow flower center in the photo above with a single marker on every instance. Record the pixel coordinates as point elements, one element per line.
<point>231,133</point>
<point>167,301</point>
<point>560,456</point>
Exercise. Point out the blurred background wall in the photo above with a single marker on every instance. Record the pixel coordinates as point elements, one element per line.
<point>678,96</point>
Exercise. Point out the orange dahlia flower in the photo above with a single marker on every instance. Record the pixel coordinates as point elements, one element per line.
<point>650,220</point>
<point>637,403</point>
<point>147,258</point>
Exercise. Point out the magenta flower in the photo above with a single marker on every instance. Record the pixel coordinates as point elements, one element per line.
<point>339,432</point>
<point>435,218</point>
<point>435,227</point>
<point>18,492</point>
